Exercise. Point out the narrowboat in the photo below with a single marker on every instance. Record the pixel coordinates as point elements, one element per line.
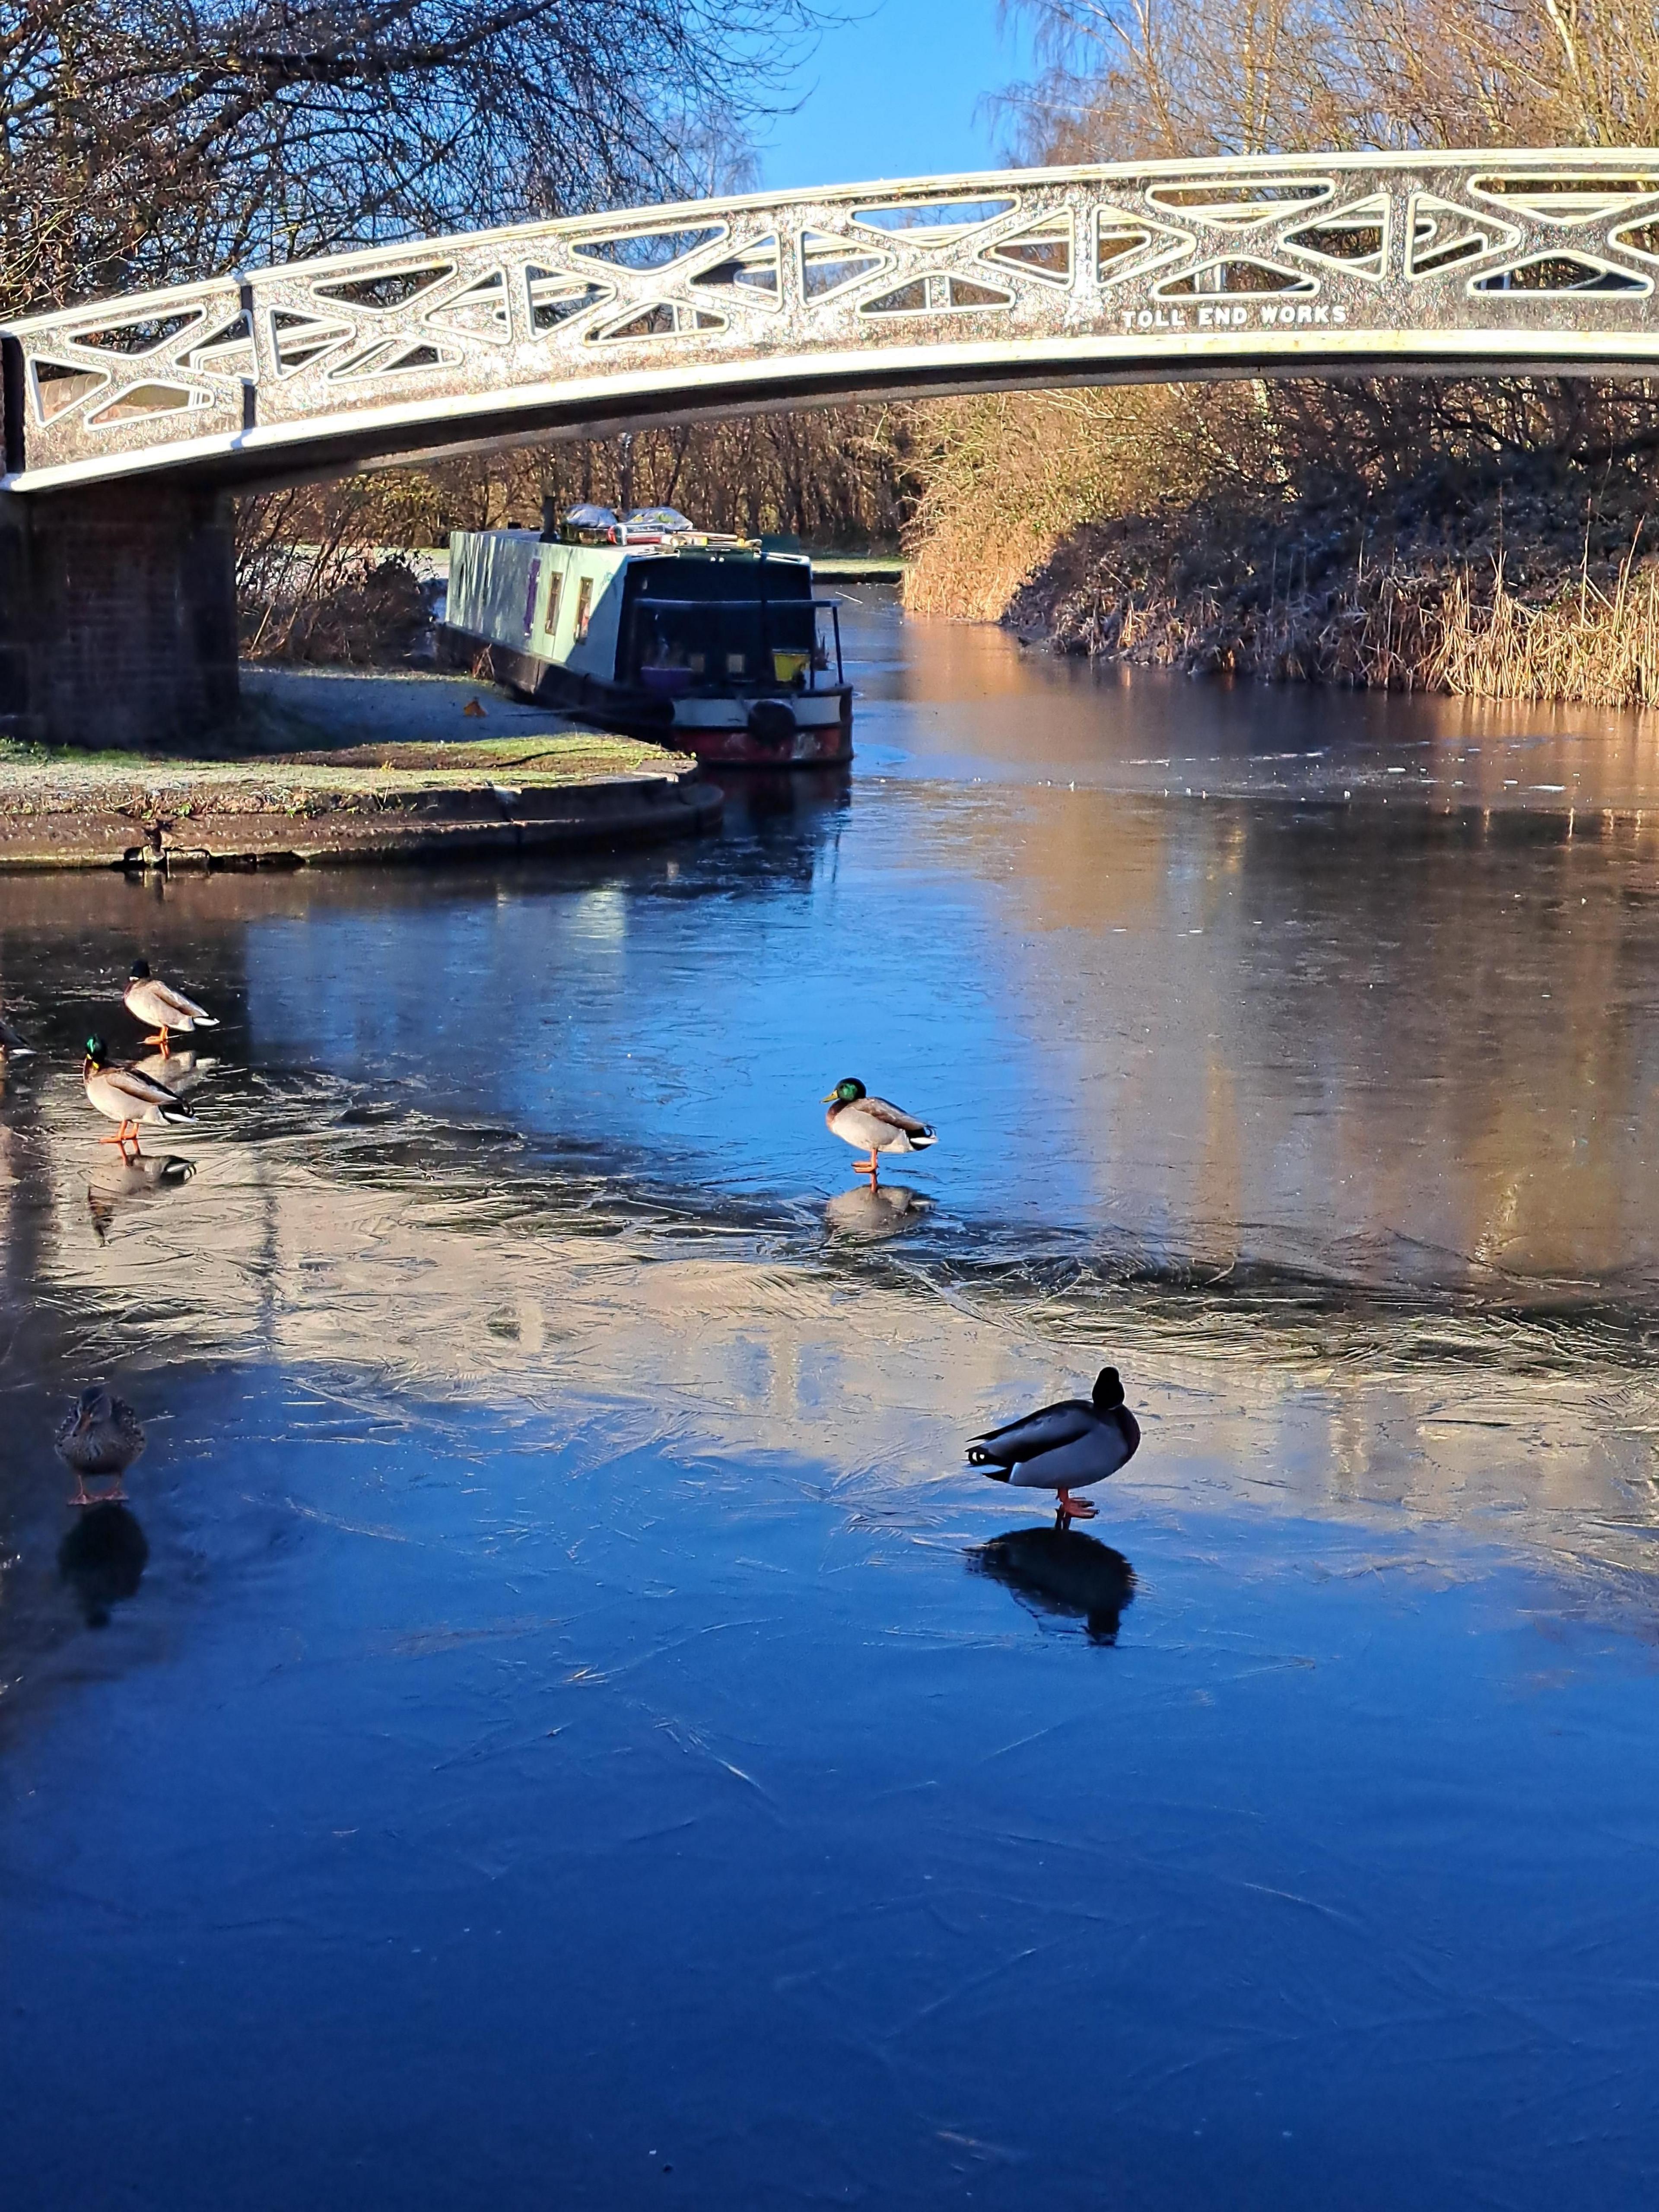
<point>716,645</point>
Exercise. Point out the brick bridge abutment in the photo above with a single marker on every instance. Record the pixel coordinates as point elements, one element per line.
<point>117,617</point>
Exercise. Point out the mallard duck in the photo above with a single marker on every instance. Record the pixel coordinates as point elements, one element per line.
<point>1064,1448</point>
<point>149,999</point>
<point>872,1124</point>
<point>99,1436</point>
<point>11,1040</point>
<point>127,1095</point>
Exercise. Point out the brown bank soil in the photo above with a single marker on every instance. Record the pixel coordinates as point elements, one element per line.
<point>330,771</point>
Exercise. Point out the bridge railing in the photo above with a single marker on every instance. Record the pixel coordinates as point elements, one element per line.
<point>1482,260</point>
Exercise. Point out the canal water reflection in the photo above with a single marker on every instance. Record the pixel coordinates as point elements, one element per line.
<point>556,1721</point>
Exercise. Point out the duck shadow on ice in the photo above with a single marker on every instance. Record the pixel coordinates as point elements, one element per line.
<point>102,1559</point>
<point>1061,1572</point>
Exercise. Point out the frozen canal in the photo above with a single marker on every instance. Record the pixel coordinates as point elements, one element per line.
<point>558,1725</point>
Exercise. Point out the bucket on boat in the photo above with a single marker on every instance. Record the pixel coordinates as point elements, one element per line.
<point>669,682</point>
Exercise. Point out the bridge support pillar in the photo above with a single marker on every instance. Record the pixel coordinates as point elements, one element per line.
<point>118,617</point>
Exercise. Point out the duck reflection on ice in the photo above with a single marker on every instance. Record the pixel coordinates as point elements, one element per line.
<point>1061,1570</point>
<point>887,1210</point>
<point>102,1559</point>
<point>179,1071</point>
<point>117,1181</point>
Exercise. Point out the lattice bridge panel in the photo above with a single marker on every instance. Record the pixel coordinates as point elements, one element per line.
<point>1493,263</point>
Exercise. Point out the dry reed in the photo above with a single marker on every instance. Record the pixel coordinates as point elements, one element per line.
<point>1397,629</point>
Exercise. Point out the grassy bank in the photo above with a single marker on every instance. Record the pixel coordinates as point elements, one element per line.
<point>373,768</point>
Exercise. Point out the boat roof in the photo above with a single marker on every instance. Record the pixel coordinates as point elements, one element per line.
<point>673,549</point>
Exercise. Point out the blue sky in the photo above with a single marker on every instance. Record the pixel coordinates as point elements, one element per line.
<point>893,93</point>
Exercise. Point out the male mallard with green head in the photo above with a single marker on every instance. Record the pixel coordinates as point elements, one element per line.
<point>874,1125</point>
<point>128,1096</point>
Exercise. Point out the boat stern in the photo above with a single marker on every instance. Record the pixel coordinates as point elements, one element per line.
<point>779,731</point>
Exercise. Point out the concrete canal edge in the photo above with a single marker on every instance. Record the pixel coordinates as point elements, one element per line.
<point>421,799</point>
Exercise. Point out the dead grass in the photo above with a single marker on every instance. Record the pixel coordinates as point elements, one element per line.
<point>1398,631</point>
<point>1595,646</point>
<point>1189,528</point>
<point>1529,580</point>
<point>1008,476</point>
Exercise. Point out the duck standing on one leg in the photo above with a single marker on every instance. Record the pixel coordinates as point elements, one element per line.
<point>101,1436</point>
<point>149,999</point>
<point>128,1096</point>
<point>872,1124</point>
<point>1064,1448</point>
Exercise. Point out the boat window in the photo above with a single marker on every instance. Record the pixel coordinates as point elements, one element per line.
<point>551,616</point>
<point>727,634</point>
<point>584,607</point>
<point>674,577</point>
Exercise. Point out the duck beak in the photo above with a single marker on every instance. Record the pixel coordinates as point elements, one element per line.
<point>826,1099</point>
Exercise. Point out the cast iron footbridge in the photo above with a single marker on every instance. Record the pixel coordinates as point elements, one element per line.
<point>1449,262</point>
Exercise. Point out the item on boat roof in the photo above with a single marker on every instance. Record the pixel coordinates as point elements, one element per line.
<point>666,521</point>
<point>588,525</point>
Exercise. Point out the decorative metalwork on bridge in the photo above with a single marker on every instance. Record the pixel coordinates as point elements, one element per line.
<point>1485,262</point>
